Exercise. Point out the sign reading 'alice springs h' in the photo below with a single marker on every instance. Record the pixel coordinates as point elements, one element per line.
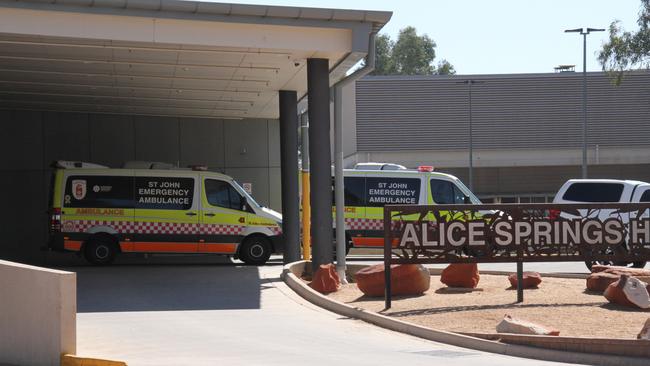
<point>537,232</point>
<point>506,233</point>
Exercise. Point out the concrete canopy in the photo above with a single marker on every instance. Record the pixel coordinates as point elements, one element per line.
<point>170,58</point>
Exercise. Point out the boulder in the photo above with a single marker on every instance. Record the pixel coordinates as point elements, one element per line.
<point>628,291</point>
<point>520,326</point>
<point>461,275</point>
<point>326,280</point>
<point>531,279</point>
<point>406,279</point>
<point>599,281</point>
<point>635,272</point>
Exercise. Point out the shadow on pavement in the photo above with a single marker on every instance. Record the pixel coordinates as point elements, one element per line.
<point>168,285</point>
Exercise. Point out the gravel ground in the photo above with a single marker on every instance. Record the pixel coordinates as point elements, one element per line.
<point>559,303</point>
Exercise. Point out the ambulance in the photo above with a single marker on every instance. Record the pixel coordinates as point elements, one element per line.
<point>100,212</point>
<point>367,191</point>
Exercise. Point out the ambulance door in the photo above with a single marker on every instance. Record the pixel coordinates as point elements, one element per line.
<point>223,216</point>
<point>445,192</point>
<point>166,213</point>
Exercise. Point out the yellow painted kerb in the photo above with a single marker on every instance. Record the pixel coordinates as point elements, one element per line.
<point>72,360</point>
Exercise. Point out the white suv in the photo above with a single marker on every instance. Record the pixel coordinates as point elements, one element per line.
<point>608,191</point>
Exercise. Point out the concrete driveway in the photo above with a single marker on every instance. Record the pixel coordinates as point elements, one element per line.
<point>209,312</point>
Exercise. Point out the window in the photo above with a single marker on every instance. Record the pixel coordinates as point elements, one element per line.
<point>98,191</point>
<point>445,192</point>
<point>594,192</point>
<point>164,193</point>
<point>354,189</point>
<point>645,197</point>
<point>392,191</point>
<point>222,194</point>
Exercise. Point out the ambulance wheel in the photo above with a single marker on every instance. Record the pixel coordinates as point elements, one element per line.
<point>255,250</point>
<point>100,249</point>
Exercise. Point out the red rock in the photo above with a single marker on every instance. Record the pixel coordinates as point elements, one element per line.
<point>520,326</point>
<point>461,275</point>
<point>599,281</point>
<point>634,272</point>
<point>326,280</point>
<point>645,331</point>
<point>628,291</point>
<point>531,279</point>
<point>406,279</point>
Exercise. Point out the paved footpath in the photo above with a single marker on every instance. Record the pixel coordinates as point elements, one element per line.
<point>226,314</point>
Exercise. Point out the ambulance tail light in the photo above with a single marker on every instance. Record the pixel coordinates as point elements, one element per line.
<point>425,168</point>
<point>55,220</point>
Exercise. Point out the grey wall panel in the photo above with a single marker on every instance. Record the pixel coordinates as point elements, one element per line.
<point>275,186</point>
<point>111,139</point>
<point>157,139</point>
<point>21,140</point>
<point>24,221</point>
<point>274,141</point>
<point>202,142</point>
<point>66,137</point>
<point>508,111</point>
<point>259,177</point>
<point>246,143</point>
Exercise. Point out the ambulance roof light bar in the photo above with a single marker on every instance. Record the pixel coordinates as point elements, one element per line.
<point>425,168</point>
<point>68,164</point>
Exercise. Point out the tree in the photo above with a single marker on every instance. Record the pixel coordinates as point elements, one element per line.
<point>411,54</point>
<point>627,50</point>
<point>383,60</point>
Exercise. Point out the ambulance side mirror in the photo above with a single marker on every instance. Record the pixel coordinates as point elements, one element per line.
<point>467,200</point>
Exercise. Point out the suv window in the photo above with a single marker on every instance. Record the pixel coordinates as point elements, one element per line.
<point>594,192</point>
<point>445,192</point>
<point>645,197</point>
<point>222,194</point>
<point>98,191</point>
<point>164,193</point>
<point>392,191</point>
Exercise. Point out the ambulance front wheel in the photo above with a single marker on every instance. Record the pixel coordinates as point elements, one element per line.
<point>255,250</point>
<point>100,249</point>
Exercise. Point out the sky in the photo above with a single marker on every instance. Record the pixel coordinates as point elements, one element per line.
<point>498,36</point>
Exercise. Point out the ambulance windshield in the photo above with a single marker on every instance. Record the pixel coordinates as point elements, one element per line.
<point>468,193</point>
<point>249,198</point>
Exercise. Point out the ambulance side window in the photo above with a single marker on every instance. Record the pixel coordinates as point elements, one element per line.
<point>98,191</point>
<point>354,191</point>
<point>222,194</point>
<point>445,192</point>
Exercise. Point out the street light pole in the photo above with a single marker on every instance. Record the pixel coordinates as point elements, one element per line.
<point>470,82</point>
<point>584,32</point>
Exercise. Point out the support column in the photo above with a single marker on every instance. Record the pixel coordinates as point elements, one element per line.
<point>289,173</point>
<point>320,161</point>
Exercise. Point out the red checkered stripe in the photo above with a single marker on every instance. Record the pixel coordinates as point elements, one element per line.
<point>123,227</point>
<point>81,226</point>
<point>365,224</point>
<point>165,228</point>
<point>216,229</point>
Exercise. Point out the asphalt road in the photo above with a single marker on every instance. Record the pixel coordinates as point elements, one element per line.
<point>213,311</point>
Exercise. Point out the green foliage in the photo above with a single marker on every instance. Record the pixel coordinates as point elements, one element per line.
<point>627,50</point>
<point>411,54</point>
